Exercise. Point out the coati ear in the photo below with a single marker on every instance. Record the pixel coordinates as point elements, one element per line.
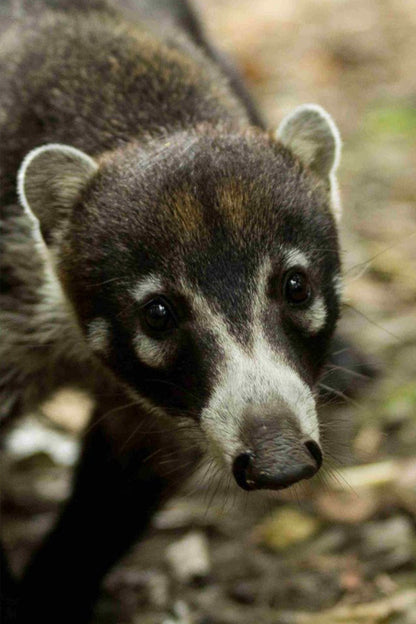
<point>49,181</point>
<point>311,134</point>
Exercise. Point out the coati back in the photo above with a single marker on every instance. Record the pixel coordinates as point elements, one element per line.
<point>166,254</point>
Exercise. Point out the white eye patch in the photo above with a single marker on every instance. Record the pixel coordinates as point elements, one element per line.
<point>98,336</point>
<point>313,318</point>
<point>151,351</point>
<point>154,353</point>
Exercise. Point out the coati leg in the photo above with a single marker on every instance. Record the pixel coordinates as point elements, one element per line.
<point>116,490</point>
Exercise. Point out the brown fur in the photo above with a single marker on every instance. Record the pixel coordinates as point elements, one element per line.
<point>145,85</point>
<point>184,190</point>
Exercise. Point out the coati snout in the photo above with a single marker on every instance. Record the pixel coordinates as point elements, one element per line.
<point>203,273</point>
<point>275,454</point>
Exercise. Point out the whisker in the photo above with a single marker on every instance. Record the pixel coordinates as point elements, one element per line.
<point>334,367</point>
<point>215,491</point>
<point>341,395</point>
<point>368,262</point>
<point>120,278</point>
<point>360,313</point>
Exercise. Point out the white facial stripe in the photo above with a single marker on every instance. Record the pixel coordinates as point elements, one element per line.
<point>313,318</point>
<point>259,297</point>
<point>260,378</point>
<point>147,286</point>
<point>98,335</point>
<point>152,352</point>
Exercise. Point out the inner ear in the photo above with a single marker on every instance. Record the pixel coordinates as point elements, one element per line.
<point>312,136</point>
<point>50,180</point>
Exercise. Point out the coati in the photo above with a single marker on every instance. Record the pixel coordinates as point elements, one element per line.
<point>164,251</point>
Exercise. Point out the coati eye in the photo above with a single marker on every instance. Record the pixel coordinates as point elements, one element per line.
<point>157,316</point>
<point>296,287</point>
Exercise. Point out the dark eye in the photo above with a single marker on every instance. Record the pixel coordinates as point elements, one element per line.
<point>296,287</point>
<point>158,316</point>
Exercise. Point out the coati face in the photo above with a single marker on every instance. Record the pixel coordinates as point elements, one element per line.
<point>203,269</point>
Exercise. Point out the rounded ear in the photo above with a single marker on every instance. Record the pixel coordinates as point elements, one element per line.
<point>49,182</point>
<point>311,134</point>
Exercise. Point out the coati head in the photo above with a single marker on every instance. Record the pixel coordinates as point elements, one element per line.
<point>203,268</point>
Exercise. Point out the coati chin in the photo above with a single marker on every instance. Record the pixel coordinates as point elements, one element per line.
<point>164,251</point>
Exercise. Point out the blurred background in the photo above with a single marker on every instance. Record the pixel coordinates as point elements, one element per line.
<point>340,549</point>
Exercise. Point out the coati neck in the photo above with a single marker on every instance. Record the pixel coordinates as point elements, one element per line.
<point>94,81</point>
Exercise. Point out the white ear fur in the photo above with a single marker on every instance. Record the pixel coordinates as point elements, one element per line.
<point>311,134</point>
<point>49,181</point>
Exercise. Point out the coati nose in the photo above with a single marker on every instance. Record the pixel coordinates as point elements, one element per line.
<point>251,473</point>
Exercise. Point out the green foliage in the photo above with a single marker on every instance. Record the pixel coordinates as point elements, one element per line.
<point>392,120</point>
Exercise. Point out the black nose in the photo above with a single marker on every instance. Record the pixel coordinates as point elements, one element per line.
<point>251,473</point>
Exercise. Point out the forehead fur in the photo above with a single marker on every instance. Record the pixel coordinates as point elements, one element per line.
<point>207,206</point>
<point>241,182</point>
<point>184,211</point>
<point>232,201</point>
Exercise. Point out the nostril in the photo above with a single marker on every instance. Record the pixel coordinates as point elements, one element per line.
<point>253,473</point>
<point>315,450</point>
<point>241,466</point>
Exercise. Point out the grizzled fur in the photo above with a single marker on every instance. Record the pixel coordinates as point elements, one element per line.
<point>60,103</point>
<point>176,194</point>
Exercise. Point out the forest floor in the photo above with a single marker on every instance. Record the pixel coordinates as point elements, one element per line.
<point>341,549</point>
